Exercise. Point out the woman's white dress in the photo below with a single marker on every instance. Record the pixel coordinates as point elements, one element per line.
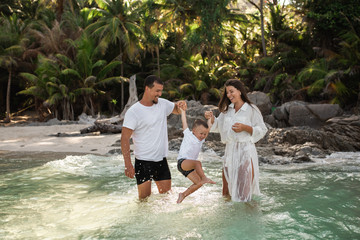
<point>240,152</point>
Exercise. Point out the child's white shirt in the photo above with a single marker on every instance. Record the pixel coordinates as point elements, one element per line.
<point>190,146</point>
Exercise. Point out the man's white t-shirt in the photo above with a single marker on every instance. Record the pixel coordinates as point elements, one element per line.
<point>190,146</point>
<point>149,124</point>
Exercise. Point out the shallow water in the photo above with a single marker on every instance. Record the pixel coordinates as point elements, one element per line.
<point>88,197</point>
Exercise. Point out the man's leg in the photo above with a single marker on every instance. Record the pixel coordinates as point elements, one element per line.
<point>144,190</point>
<point>163,186</point>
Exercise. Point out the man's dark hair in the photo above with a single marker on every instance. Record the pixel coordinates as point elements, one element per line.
<point>199,122</point>
<point>149,81</point>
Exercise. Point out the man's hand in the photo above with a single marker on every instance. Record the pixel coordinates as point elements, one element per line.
<point>129,171</point>
<point>180,105</point>
<point>125,148</point>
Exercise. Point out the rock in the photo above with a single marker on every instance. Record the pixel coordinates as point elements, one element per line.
<point>325,111</point>
<point>302,116</point>
<point>298,113</point>
<point>115,151</point>
<point>322,139</point>
<point>216,146</point>
<point>117,143</point>
<point>301,159</point>
<point>174,144</point>
<point>86,119</point>
<point>262,101</point>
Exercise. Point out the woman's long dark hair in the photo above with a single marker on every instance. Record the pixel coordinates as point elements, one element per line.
<point>225,102</point>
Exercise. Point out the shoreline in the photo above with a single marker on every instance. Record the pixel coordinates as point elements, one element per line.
<point>57,138</point>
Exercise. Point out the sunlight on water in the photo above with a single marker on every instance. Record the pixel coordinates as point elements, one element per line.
<point>88,197</point>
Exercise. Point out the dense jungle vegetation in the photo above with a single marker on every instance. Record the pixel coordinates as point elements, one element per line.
<point>65,57</point>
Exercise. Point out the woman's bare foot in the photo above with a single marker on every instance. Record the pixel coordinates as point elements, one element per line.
<point>180,198</point>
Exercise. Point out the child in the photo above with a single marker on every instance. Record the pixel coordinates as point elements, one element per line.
<point>190,147</point>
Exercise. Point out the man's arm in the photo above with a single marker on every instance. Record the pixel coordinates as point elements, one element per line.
<point>183,119</point>
<point>125,149</point>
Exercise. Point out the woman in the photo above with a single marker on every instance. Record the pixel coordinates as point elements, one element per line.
<point>240,125</point>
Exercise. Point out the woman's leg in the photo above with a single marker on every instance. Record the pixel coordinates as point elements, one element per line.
<point>245,177</point>
<point>225,189</point>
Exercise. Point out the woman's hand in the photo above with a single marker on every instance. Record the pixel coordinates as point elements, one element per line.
<point>239,127</point>
<point>209,114</point>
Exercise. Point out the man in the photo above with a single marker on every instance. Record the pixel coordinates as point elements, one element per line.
<point>146,122</point>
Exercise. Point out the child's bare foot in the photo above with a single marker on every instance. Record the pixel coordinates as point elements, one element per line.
<point>181,198</point>
<point>208,180</point>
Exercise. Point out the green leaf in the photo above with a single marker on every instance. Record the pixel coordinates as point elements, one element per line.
<point>200,85</point>
<point>107,69</point>
<point>70,71</point>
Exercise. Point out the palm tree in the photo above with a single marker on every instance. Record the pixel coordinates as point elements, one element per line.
<point>260,7</point>
<point>154,28</point>
<point>61,82</point>
<point>48,85</point>
<point>119,25</point>
<point>206,77</point>
<point>11,48</point>
<point>91,72</point>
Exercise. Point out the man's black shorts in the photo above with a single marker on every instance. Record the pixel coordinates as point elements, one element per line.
<point>148,170</point>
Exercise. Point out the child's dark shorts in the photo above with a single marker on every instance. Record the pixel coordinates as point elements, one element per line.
<point>185,173</point>
<point>149,170</point>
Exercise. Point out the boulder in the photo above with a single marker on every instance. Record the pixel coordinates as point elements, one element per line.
<point>302,116</point>
<point>325,111</point>
<point>299,113</point>
<point>262,101</point>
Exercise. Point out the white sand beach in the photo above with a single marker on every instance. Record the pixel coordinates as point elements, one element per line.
<point>46,139</point>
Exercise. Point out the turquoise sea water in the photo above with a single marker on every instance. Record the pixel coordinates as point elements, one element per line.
<point>88,197</point>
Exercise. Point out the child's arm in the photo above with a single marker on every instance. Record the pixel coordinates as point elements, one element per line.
<point>183,119</point>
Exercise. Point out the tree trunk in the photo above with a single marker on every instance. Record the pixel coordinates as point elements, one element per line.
<point>262,27</point>
<point>59,9</point>
<point>158,59</point>
<point>92,107</point>
<point>7,117</point>
<point>261,10</point>
<point>122,81</point>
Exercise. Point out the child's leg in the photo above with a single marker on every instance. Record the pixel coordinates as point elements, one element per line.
<point>188,165</point>
<point>195,178</point>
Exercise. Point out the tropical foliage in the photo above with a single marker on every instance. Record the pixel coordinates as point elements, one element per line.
<point>70,57</point>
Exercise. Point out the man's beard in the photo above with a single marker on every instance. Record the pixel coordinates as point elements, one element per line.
<point>155,101</point>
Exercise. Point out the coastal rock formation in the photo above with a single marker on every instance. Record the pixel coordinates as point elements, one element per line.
<point>298,113</point>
